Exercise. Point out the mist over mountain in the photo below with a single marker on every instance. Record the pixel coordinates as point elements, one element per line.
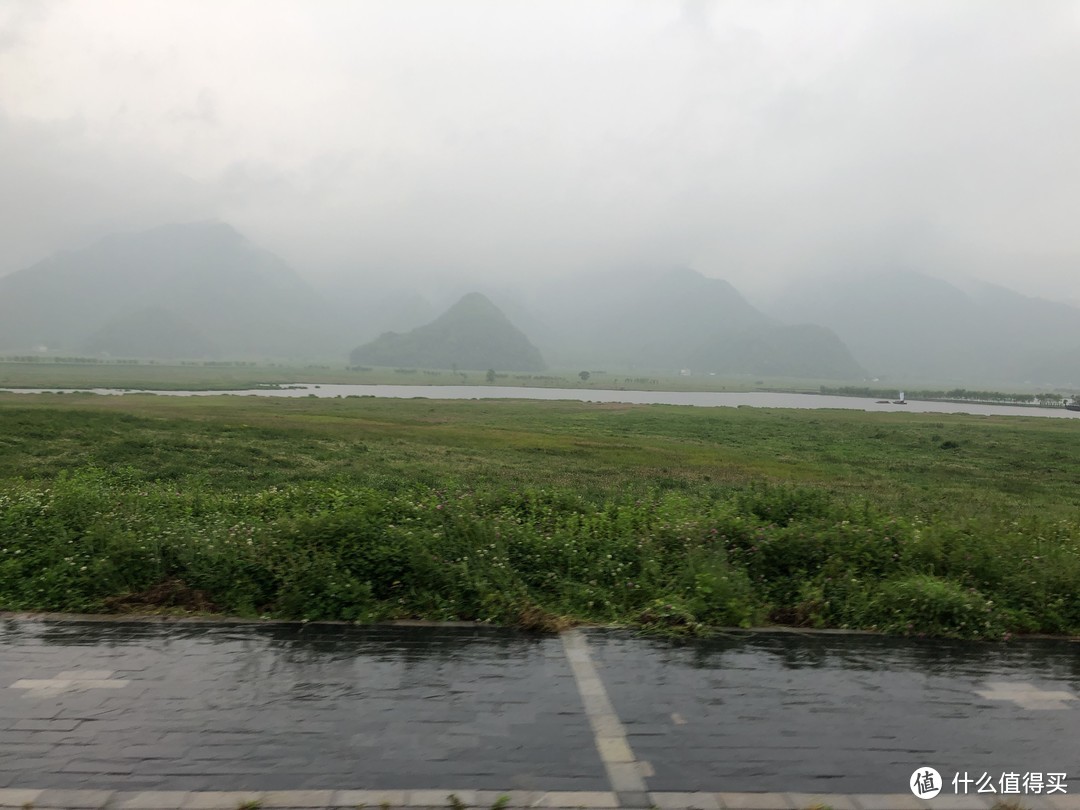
<point>666,320</point>
<point>151,332</point>
<point>204,291</point>
<point>195,290</point>
<point>472,334</point>
<point>905,325</point>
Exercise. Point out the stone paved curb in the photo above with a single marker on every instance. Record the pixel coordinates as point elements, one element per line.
<point>12,799</point>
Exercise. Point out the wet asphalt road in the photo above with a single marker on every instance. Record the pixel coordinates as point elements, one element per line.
<point>179,706</point>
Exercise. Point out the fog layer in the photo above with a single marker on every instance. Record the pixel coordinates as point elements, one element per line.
<point>757,141</point>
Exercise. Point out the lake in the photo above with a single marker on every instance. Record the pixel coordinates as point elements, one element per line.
<point>705,399</point>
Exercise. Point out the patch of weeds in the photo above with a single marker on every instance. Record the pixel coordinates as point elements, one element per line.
<point>535,619</point>
<point>455,803</point>
<point>670,617</point>
<point>501,803</point>
<point>1008,806</point>
<point>170,595</point>
<point>250,804</point>
<point>928,605</point>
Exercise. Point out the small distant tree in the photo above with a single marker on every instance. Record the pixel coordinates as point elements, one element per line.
<point>584,376</point>
<point>491,375</point>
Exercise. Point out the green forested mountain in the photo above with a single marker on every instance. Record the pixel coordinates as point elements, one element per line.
<point>472,334</point>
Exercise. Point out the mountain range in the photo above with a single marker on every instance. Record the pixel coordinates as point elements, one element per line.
<point>676,318</point>
<point>906,325</point>
<point>202,290</point>
<point>197,290</point>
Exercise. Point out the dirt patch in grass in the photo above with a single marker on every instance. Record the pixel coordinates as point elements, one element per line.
<point>534,619</point>
<point>170,595</point>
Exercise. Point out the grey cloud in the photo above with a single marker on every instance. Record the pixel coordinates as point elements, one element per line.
<point>17,18</point>
<point>202,111</point>
<point>756,141</point>
<point>65,190</point>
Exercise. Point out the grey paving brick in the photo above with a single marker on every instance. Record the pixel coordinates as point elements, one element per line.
<point>74,799</point>
<point>417,709</point>
<point>680,801</point>
<point>367,798</point>
<point>830,800</point>
<point>763,712</point>
<point>17,798</point>
<point>756,801</point>
<point>583,799</point>
<point>888,801</point>
<point>297,798</point>
<point>971,801</point>
<point>150,800</point>
<point>220,800</point>
<point>514,798</point>
<point>439,798</point>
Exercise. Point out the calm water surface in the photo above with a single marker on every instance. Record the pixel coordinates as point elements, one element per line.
<point>707,399</point>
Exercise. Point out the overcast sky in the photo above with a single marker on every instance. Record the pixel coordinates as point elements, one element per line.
<point>755,141</point>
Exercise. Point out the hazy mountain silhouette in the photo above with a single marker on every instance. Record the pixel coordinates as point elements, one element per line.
<point>910,326</point>
<point>202,290</point>
<point>210,290</point>
<point>678,318</point>
<point>804,350</point>
<point>472,334</point>
<point>151,332</point>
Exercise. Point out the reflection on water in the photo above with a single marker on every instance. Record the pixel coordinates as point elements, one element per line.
<point>1051,658</point>
<point>302,645</point>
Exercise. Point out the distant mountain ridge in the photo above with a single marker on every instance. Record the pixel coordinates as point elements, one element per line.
<point>203,291</point>
<point>667,320</point>
<point>472,334</point>
<point>908,325</point>
<point>190,290</point>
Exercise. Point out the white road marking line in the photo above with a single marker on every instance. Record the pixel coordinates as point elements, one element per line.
<point>1027,696</point>
<point>70,681</point>
<point>624,772</point>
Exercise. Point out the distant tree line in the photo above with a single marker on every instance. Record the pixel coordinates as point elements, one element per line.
<point>220,363</point>
<point>33,358</point>
<point>119,361</point>
<point>955,395</point>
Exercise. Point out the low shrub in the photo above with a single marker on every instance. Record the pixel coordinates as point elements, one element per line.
<point>922,604</point>
<point>668,561</point>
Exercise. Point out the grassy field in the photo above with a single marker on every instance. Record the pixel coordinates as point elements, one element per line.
<point>199,377</point>
<point>670,518</point>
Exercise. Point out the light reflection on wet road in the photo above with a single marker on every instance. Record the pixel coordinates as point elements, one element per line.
<point>218,706</point>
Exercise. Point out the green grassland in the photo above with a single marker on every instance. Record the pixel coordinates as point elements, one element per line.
<point>162,376</point>
<point>537,513</point>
